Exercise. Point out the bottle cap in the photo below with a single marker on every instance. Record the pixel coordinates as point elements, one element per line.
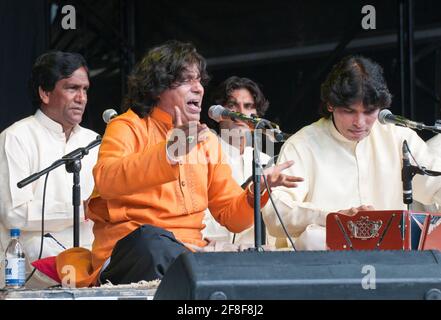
<point>15,232</point>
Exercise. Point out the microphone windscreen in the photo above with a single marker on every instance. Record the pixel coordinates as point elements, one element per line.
<point>215,112</point>
<point>382,115</point>
<point>109,114</point>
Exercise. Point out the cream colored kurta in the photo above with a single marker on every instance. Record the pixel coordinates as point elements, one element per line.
<point>435,146</point>
<point>29,146</point>
<point>340,174</point>
<point>242,168</point>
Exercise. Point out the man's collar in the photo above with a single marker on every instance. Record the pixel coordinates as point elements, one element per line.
<point>337,135</point>
<point>50,124</point>
<point>162,116</point>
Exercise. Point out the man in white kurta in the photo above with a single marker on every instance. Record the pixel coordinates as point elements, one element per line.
<point>241,166</point>
<point>350,162</point>
<point>340,174</point>
<point>244,96</point>
<point>434,145</point>
<point>29,146</point>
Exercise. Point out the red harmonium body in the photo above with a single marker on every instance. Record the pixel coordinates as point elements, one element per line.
<point>384,230</point>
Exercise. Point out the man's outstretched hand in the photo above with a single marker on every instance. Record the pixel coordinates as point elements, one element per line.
<point>276,178</point>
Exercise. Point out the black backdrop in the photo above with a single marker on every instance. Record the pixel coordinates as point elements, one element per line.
<point>287,46</point>
<point>23,34</point>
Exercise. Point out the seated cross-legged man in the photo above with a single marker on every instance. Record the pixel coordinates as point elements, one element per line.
<point>158,170</point>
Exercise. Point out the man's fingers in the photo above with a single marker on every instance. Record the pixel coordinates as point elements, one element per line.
<point>202,132</point>
<point>288,181</point>
<point>289,184</point>
<point>366,208</point>
<point>284,165</point>
<point>203,137</point>
<point>178,117</point>
<point>202,128</point>
<point>349,212</point>
<point>293,178</point>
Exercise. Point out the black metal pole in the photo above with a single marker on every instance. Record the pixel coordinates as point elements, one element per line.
<point>256,180</point>
<point>407,64</point>
<point>75,167</point>
<point>127,28</point>
<point>76,205</point>
<point>411,65</point>
<point>263,231</point>
<point>402,54</point>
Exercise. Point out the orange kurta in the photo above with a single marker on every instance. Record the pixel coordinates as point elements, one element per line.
<point>136,185</point>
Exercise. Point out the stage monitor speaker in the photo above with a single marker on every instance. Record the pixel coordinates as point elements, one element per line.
<point>304,275</point>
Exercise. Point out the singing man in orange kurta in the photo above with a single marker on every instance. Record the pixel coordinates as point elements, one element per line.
<point>158,170</point>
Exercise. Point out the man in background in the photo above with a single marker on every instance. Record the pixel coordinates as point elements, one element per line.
<point>58,87</point>
<point>244,96</point>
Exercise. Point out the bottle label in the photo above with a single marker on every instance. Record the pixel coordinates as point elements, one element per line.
<point>15,272</point>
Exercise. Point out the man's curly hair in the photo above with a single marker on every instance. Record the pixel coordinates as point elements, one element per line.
<point>355,79</point>
<point>225,89</point>
<point>161,68</point>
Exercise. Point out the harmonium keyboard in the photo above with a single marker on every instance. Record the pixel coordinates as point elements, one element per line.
<point>384,230</point>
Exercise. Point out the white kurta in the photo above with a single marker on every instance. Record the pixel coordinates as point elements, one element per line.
<point>340,174</point>
<point>435,146</point>
<point>26,147</point>
<point>242,168</point>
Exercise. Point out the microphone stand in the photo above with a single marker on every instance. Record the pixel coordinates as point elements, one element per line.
<point>72,161</point>
<point>256,180</point>
<point>436,128</point>
<point>257,172</point>
<point>408,172</point>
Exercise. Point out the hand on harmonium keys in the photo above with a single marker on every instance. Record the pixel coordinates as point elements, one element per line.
<point>353,211</point>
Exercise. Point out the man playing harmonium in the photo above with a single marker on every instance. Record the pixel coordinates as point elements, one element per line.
<point>350,162</point>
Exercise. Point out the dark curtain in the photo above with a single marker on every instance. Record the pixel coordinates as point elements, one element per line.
<point>24,36</point>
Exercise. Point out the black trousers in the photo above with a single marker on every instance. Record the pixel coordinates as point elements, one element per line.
<point>144,254</point>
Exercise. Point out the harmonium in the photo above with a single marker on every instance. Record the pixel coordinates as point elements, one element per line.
<point>384,230</point>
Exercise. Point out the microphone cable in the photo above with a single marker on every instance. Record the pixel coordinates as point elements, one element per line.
<point>269,190</point>
<point>421,168</point>
<point>42,227</point>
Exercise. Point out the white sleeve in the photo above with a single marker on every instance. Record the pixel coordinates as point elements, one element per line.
<point>20,208</point>
<point>426,190</point>
<point>290,202</point>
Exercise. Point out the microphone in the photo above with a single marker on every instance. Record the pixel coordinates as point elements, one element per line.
<point>109,114</point>
<point>276,135</point>
<point>406,175</point>
<point>219,113</point>
<point>385,116</point>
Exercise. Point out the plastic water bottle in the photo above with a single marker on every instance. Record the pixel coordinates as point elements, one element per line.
<point>15,267</point>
